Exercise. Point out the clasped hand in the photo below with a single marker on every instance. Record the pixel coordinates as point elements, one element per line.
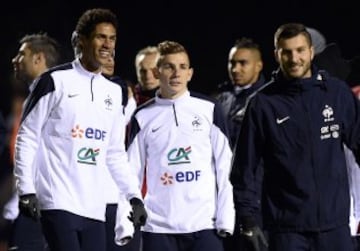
<point>138,215</point>
<point>255,236</point>
<point>29,206</point>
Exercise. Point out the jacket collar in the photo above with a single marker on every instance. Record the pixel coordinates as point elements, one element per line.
<point>317,79</point>
<point>78,66</point>
<point>165,101</point>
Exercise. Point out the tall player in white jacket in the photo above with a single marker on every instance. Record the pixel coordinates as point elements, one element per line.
<point>180,139</point>
<point>71,131</point>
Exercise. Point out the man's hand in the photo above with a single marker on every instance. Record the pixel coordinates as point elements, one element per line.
<point>255,236</point>
<point>29,206</point>
<point>138,215</point>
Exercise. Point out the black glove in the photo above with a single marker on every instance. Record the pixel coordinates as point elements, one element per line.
<point>138,215</point>
<point>252,232</point>
<point>29,206</point>
<point>255,236</point>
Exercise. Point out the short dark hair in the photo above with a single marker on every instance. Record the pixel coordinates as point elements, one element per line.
<point>90,18</point>
<point>169,47</point>
<point>290,30</point>
<point>247,43</point>
<point>41,42</point>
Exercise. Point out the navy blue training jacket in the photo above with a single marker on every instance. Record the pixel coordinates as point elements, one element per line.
<point>298,129</point>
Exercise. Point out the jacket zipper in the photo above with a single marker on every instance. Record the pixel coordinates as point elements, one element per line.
<point>91,88</point>
<point>176,121</point>
<point>312,158</point>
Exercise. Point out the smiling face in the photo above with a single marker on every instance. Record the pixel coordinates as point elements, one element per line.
<point>294,56</point>
<point>98,47</point>
<point>174,73</point>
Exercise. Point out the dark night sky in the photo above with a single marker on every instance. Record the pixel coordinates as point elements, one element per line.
<point>207,32</point>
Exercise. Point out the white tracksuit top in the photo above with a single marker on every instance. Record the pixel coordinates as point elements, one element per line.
<point>72,129</point>
<point>354,183</point>
<point>184,145</point>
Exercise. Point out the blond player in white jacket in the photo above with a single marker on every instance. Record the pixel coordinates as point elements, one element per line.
<point>181,140</point>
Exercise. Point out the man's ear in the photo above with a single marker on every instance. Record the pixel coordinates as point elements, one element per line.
<point>39,58</point>
<point>276,55</point>
<point>259,65</point>
<point>190,74</point>
<point>80,42</point>
<point>156,72</point>
<point>312,51</point>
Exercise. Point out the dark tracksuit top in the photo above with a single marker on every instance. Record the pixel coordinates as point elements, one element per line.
<point>298,128</point>
<point>233,104</point>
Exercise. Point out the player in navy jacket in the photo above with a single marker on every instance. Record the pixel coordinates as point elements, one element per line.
<point>297,126</point>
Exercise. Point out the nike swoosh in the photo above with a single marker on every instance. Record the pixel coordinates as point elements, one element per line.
<point>279,121</point>
<point>73,95</point>
<point>26,201</point>
<point>155,129</point>
<point>248,233</point>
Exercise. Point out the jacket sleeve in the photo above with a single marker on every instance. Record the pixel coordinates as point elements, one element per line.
<point>352,123</point>
<point>35,114</point>
<point>354,181</point>
<point>247,160</point>
<point>136,150</point>
<point>123,226</point>
<point>117,160</point>
<point>129,109</point>
<point>225,218</point>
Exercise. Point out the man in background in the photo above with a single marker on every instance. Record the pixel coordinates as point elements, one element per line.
<point>245,73</point>
<point>245,67</point>
<point>37,53</point>
<point>145,63</point>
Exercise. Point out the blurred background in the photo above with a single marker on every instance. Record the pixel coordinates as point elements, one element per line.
<point>206,28</point>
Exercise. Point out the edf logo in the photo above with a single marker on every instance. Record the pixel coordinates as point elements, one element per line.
<point>187,176</point>
<point>89,133</point>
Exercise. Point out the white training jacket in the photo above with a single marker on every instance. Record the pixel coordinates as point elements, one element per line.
<point>184,145</point>
<point>111,190</point>
<point>354,183</point>
<point>72,129</point>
